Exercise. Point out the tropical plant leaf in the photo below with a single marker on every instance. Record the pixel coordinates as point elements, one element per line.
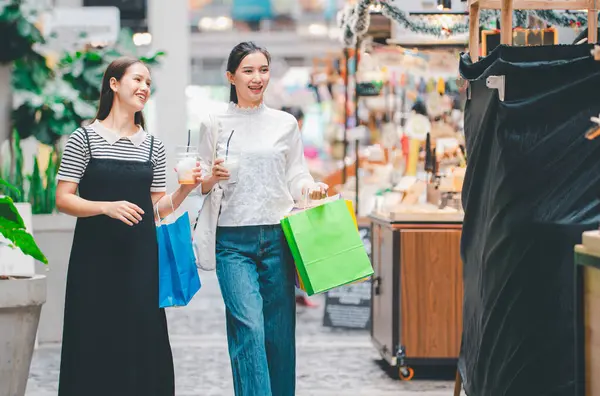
<point>12,227</point>
<point>21,239</point>
<point>10,214</point>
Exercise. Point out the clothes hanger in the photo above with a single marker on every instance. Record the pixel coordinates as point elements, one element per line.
<point>594,131</point>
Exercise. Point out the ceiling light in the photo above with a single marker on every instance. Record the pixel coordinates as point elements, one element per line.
<point>141,39</point>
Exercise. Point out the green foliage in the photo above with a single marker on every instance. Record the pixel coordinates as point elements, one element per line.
<point>84,69</point>
<point>13,228</point>
<point>37,188</point>
<point>17,31</point>
<point>30,73</point>
<point>9,187</point>
<point>13,176</point>
<point>50,192</point>
<point>43,198</point>
<point>49,104</point>
<point>54,112</point>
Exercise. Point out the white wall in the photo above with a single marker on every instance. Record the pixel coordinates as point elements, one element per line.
<point>68,3</point>
<point>170,33</point>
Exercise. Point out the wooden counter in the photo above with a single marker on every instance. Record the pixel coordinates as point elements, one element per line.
<point>587,313</point>
<point>417,291</point>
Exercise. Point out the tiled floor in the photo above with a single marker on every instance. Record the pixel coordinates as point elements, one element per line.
<point>330,363</point>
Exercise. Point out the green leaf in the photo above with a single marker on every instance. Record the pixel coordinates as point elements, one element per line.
<point>12,227</point>
<point>9,186</point>
<point>36,188</point>
<point>10,214</point>
<point>23,240</point>
<point>24,28</point>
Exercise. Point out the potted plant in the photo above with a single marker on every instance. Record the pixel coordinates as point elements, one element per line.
<point>21,300</point>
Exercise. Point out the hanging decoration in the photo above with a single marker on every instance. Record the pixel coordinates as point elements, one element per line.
<point>361,15</point>
<point>414,25</point>
<point>354,20</point>
<point>562,19</point>
<point>346,22</point>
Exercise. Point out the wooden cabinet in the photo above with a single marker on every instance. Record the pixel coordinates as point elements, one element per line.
<point>382,300</point>
<point>417,292</point>
<point>587,266</point>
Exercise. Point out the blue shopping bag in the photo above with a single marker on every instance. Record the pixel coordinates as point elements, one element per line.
<point>178,279</point>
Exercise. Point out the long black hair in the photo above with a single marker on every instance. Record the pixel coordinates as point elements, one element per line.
<point>237,55</point>
<point>116,69</point>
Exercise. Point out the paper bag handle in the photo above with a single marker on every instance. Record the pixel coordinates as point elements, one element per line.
<point>159,221</point>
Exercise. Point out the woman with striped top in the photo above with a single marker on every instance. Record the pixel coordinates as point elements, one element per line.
<point>112,177</point>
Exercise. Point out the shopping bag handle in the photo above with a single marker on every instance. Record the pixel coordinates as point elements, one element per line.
<point>307,191</point>
<point>159,222</point>
<point>306,194</point>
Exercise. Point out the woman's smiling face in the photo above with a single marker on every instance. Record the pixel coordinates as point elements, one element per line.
<point>251,79</point>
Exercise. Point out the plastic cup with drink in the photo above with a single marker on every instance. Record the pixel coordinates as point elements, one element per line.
<point>232,164</point>
<point>187,159</point>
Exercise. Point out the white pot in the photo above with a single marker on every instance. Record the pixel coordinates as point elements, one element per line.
<point>12,260</point>
<point>21,302</point>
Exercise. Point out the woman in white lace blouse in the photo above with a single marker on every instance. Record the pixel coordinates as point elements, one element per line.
<point>254,265</point>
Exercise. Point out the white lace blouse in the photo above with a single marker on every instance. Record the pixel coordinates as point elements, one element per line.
<point>272,169</point>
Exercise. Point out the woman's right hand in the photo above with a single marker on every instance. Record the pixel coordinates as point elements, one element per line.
<point>219,172</point>
<point>127,212</point>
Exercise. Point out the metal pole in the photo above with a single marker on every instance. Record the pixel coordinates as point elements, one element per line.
<point>356,142</point>
<point>345,142</point>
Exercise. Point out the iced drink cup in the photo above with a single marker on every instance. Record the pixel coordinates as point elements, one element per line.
<point>187,158</point>
<point>232,164</point>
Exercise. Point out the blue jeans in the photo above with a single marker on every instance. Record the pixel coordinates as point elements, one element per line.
<point>256,276</point>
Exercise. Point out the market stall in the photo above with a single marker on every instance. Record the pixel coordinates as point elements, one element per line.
<point>523,191</point>
<point>401,124</point>
<point>398,138</point>
<point>587,311</point>
<point>396,149</point>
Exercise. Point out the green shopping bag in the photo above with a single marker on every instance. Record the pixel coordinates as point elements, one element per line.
<point>326,246</point>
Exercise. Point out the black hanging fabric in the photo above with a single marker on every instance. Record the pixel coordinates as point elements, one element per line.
<point>532,187</point>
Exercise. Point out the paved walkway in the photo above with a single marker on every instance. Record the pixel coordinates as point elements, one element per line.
<point>330,362</point>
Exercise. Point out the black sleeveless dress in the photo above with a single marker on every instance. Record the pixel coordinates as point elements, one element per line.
<point>115,337</point>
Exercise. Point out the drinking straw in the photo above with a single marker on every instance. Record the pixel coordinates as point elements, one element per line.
<point>187,149</point>
<point>228,140</point>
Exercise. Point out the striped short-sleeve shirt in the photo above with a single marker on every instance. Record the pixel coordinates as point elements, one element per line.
<point>106,144</point>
